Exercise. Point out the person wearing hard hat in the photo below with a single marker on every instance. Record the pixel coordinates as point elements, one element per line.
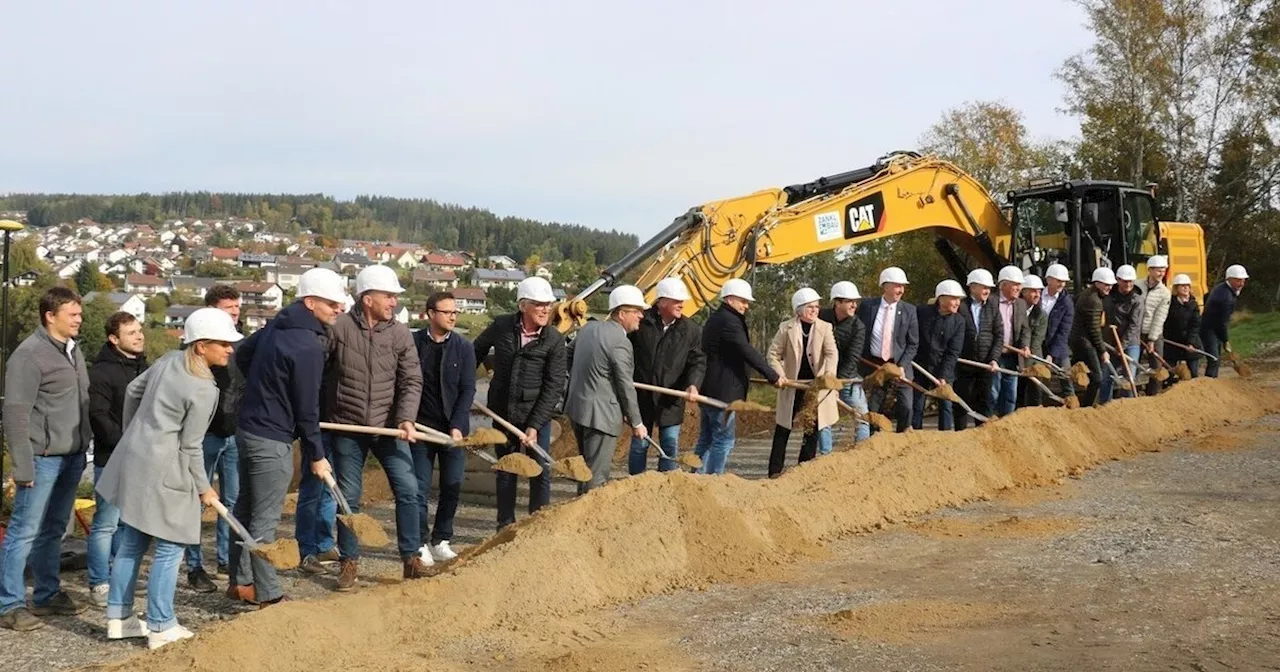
<point>1037,324</point>
<point>851,337</point>
<point>1087,344</point>
<point>942,330</point>
<point>374,379</point>
<point>1124,309</point>
<point>1015,333</point>
<point>1183,326</point>
<point>726,342</point>
<point>156,475</point>
<point>803,349</point>
<point>283,364</point>
<point>1218,309</point>
<point>600,395</point>
<point>530,368</point>
<point>893,335</point>
<point>448,362</point>
<point>984,333</point>
<point>668,353</point>
<point>1060,308</point>
<point>1155,310</point>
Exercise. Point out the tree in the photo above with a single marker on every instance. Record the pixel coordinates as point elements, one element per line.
<point>88,279</point>
<point>989,141</point>
<point>215,269</point>
<point>157,306</point>
<point>23,257</point>
<point>159,342</point>
<point>93,326</point>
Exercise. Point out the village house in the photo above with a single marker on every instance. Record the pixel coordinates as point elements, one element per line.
<point>123,301</point>
<point>260,295</point>
<point>472,300</point>
<point>190,284</point>
<point>444,261</point>
<point>254,260</point>
<point>343,263</point>
<point>175,317</point>
<point>487,278</point>
<point>229,255</point>
<point>145,285</point>
<point>68,270</point>
<point>286,275</point>
<point>436,280</point>
<point>502,261</point>
<point>254,319</point>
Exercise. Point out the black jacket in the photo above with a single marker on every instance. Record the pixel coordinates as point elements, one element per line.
<point>528,382</point>
<point>729,353</point>
<point>1217,312</point>
<point>230,389</point>
<point>851,338</point>
<point>1086,329</point>
<point>1124,312</point>
<point>283,364</point>
<point>109,376</point>
<point>941,340</point>
<point>1181,326</point>
<point>672,359</point>
<point>457,378</point>
<point>983,342</point>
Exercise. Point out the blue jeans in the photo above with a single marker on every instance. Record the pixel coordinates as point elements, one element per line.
<point>1004,387</point>
<point>221,456</point>
<point>855,396</point>
<point>539,486</point>
<point>34,537</point>
<point>715,441</point>
<point>317,512</point>
<point>349,452</point>
<point>946,418</point>
<point>1109,390</point>
<point>103,541</point>
<point>453,462</point>
<point>162,582</point>
<point>668,438</point>
<point>1212,346</point>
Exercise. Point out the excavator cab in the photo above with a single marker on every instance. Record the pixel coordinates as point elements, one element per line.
<point>1083,224</point>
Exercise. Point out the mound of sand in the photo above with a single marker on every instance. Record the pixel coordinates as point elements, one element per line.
<point>655,533</point>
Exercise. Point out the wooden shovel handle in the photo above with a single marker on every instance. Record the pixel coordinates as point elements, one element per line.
<point>980,365</point>
<point>524,440</point>
<point>1115,333</point>
<point>376,431</point>
<point>683,394</point>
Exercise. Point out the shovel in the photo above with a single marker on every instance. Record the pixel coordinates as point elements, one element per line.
<point>280,553</point>
<point>1241,368</point>
<point>941,392</point>
<point>1115,333</point>
<point>367,530</point>
<point>882,373</point>
<point>514,463</point>
<point>1188,348</point>
<point>691,461</point>
<point>574,468</point>
<point>740,405</point>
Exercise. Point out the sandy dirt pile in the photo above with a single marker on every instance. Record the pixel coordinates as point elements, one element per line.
<point>369,532</point>
<point>1010,527</point>
<point>282,553</point>
<point>656,532</point>
<point>911,620</point>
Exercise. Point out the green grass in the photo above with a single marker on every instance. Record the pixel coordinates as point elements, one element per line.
<point>1250,330</point>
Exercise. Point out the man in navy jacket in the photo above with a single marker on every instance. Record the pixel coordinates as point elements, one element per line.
<point>1217,317</point>
<point>1057,301</point>
<point>448,388</point>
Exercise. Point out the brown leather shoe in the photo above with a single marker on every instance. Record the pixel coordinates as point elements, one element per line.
<point>414,568</point>
<point>278,600</point>
<point>347,575</point>
<point>242,594</point>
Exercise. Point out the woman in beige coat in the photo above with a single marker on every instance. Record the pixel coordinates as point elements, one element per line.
<point>803,349</point>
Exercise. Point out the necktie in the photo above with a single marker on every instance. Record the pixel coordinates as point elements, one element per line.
<point>886,334</point>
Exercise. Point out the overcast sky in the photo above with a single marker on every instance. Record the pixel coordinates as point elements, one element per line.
<point>604,113</point>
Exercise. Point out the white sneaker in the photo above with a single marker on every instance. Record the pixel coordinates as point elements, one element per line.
<point>442,553</point>
<point>156,640</point>
<point>425,554</point>
<point>125,628</point>
<point>99,595</point>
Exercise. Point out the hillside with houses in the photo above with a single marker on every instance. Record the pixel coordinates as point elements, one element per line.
<point>159,272</point>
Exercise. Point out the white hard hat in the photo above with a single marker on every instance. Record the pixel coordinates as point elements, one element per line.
<point>893,274</point>
<point>1104,275</point>
<point>535,289</point>
<point>803,296</point>
<point>1236,272</point>
<point>210,324</point>
<point>1058,272</point>
<point>626,295</point>
<point>673,288</point>
<point>1032,282</point>
<point>379,278</point>
<point>844,290</point>
<point>1011,274</point>
<point>1158,261</point>
<point>737,287</point>
<point>323,283</point>
<point>1126,272</point>
<point>980,276</point>
<point>948,288</point>
<point>1181,279</point>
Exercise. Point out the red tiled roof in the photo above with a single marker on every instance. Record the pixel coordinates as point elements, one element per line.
<point>145,280</point>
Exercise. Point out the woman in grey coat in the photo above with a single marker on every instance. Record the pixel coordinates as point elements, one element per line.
<point>156,475</point>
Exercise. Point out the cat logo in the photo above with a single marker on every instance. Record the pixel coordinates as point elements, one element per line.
<point>864,216</point>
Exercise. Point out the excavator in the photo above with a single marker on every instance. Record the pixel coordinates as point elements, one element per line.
<point>1082,224</point>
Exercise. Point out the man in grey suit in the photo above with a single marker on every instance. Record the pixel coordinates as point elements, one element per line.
<point>600,390</point>
<point>1016,334</point>
<point>893,335</point>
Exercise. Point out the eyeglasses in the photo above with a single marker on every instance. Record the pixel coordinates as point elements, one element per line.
<point>451,313</point>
